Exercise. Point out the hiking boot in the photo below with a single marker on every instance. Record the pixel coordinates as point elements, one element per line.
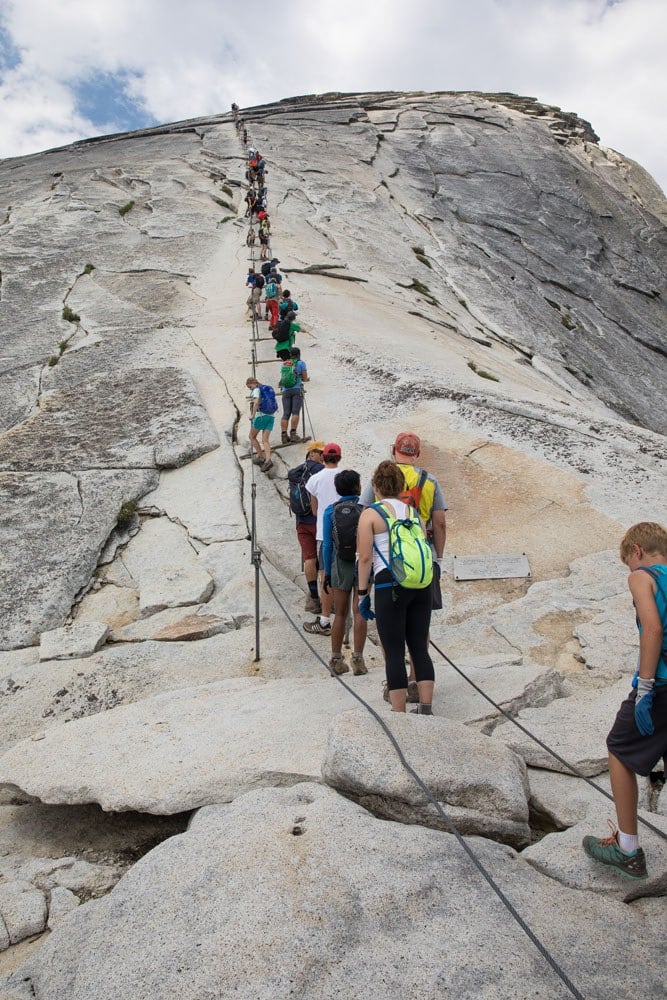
<point>413,693</point>
<point>337,664</point>
<point>284,437</point>
<point>265,466</point>
<point>294,437</point>
<point>422,710</point>
<point>358,665</point>
<point>315,628</point>
<point>313,604</point>
<point>257,460</point>
<point>606,851</point>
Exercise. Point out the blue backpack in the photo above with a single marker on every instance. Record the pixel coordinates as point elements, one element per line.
<point>267,400</point>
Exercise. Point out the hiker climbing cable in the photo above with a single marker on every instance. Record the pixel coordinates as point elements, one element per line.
<point>293,373</point>
<point>306,520</point>
<point>423,492</point>
<point>339,549</point>
<point>263,406</point>
<point>392,544</point>
<point>322,493</point>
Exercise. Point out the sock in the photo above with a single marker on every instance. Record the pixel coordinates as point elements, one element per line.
<point>312,587</point>
<point>325,622</point>
<point>627,842</point>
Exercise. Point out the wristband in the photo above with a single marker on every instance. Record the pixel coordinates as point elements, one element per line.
<point>362,593</point>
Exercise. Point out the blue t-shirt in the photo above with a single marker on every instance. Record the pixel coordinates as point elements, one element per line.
<point>299,368</point>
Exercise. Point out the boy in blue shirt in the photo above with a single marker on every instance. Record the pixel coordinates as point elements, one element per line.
<point>638,738</point>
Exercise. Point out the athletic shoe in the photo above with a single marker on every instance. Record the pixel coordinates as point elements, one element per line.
<point>421,710</point>
<point>313,604</point>
<point>256,460</point>
<point>265,466</point>
<point>605,851</point>
<point>338,665</point>
<point>358,665</point>
<point>315,628</point>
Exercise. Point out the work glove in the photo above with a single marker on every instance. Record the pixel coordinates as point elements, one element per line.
<point>326,584</point>
<point>365,608</point>
<point>644,706</point>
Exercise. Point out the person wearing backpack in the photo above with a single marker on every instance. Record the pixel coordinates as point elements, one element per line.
<point>287,304</point>
<point>293,373</point>
<point>339,552</point>
<point>271,293</point>
<point>392,543</point>
<point>306,520</point>
<point>263,406</point>
<point>323,493</point>
<point>424,493</point>
<point>285,334</point>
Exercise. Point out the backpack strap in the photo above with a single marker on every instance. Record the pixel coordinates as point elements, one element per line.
<point>383,513</point>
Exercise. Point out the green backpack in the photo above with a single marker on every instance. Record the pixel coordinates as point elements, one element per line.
<point>288,375</point>
<point>410,557</point>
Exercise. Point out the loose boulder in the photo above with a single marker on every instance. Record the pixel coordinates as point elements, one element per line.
<point>481,787</point>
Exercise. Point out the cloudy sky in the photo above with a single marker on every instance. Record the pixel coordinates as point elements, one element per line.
<point>76,68</point>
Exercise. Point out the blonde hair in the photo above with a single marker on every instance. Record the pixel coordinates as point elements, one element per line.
<point>649,535</point>
<point>388,479</point>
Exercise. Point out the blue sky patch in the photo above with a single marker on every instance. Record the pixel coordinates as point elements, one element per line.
<point>9,54</point>
<point>102,98</point>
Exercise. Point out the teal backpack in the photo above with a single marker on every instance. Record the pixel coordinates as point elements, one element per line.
<point>410,557</point>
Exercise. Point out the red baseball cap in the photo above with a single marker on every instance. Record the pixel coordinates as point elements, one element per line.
<point>407,444</point>
<point>332,450</point>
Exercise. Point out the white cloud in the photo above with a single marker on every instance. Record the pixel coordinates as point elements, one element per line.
<point>603,60</point>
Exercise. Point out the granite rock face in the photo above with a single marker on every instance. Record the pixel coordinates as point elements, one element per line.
<point>474,268</point>
<point>484,792</point>
<point>331,879</point>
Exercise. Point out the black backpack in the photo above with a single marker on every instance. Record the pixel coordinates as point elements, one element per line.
<point>344,520</point>
<point>299,497</point>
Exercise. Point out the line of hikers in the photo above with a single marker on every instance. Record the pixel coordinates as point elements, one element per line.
<point>279,311</point>
<point>391,536</point>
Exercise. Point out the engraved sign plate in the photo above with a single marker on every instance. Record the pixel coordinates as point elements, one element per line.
<point>499,567</point>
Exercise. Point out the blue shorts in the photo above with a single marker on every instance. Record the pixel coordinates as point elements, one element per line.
<point>263,422</point>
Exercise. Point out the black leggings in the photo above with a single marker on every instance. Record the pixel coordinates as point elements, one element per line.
<point>403,616</point>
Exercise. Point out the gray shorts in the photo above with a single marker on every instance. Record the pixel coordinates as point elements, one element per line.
<point>640,753</point>
<point>343,574</point>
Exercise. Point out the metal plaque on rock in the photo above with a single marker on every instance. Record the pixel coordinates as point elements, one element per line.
<point>498,567</point>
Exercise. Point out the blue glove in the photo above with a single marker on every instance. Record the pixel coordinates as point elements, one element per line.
<point>644,707</point>
<point>365,608</point>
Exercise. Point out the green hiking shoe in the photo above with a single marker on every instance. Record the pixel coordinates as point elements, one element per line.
<point>605,851</point>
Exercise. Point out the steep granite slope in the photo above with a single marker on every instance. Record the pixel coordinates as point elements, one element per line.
<point>472,267</point>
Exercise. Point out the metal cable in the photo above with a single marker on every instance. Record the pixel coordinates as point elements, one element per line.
<point>556,756</point>
<point>427,792</point>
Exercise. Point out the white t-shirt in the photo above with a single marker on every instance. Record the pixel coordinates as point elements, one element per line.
<point>321,486</point>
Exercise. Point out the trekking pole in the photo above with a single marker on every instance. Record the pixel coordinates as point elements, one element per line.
<point>306,413</point>
<point>256,560</point>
